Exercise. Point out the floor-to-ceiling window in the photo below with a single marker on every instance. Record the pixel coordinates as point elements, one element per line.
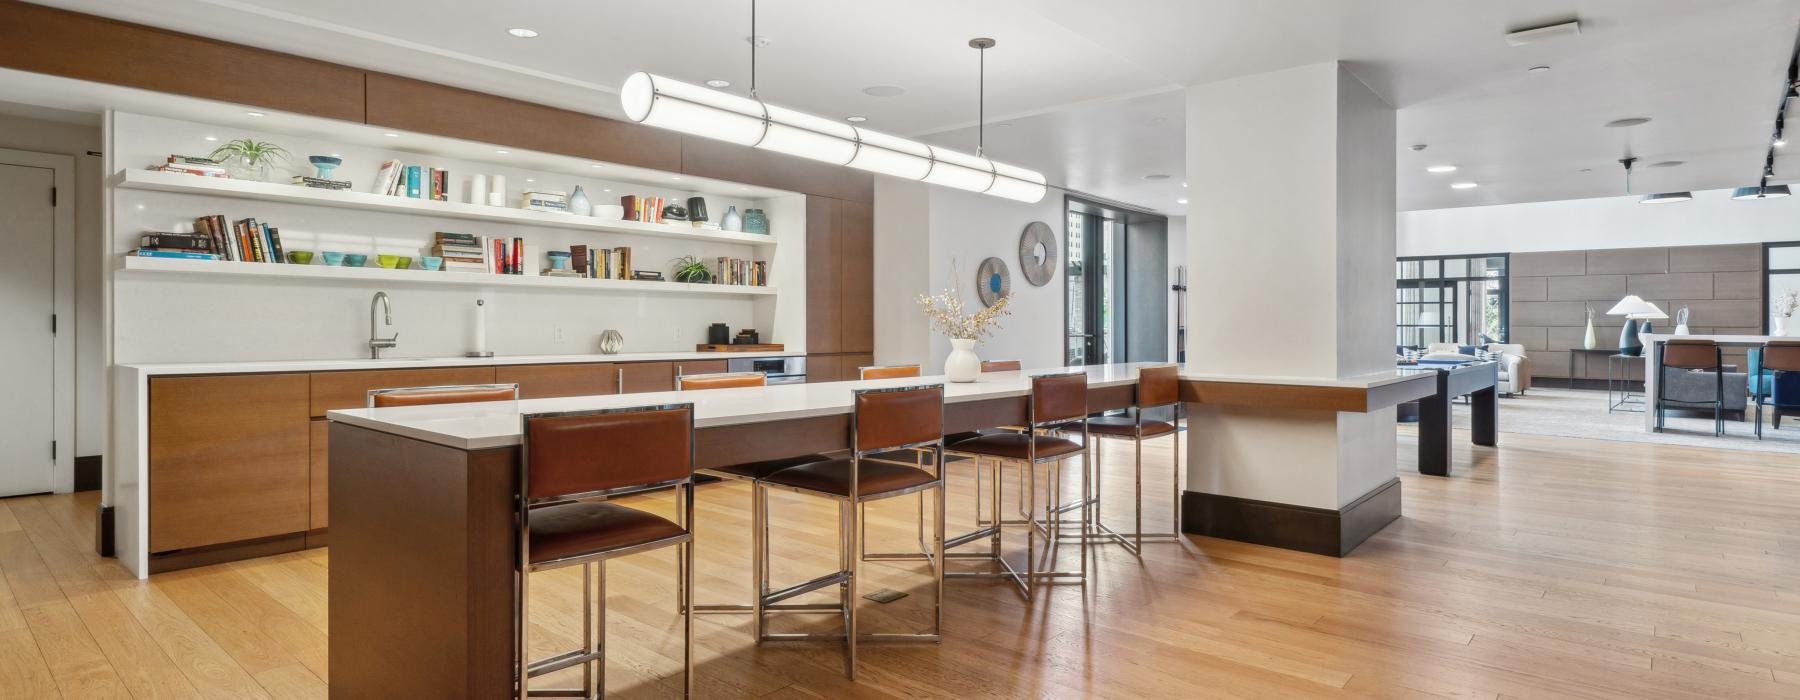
<point>1781,276</point>
<point>1116,285</point>
<point>1450,299</point>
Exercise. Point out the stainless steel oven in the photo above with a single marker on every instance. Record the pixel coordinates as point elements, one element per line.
<point>776,370</point>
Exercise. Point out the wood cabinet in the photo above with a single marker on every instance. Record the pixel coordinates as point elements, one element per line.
<point>641,377</point>
<point>552,381</point>
<point>229,459</point>
<point>824,302</point>
<point>840,286</point>
<point>687,367</point>
<point>318,477</point>
<point>823,368</point>
<point>334,390</point>
<point>856,277</point>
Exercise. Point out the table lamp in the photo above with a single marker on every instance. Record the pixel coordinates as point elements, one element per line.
<point>1634,309</point>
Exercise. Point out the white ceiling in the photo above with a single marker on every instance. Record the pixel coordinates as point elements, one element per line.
<point>1086,85</point>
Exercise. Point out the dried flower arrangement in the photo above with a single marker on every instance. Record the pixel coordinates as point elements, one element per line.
<point>1786,304</point>
<point>948,316</point>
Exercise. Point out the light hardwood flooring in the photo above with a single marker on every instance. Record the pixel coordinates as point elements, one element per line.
<point>1550,567</point>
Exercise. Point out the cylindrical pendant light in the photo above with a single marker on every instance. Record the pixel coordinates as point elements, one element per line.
<point>1666,197</point>
<point>1760,192</point>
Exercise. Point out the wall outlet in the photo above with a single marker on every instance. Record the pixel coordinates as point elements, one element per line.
<point>557,335</point>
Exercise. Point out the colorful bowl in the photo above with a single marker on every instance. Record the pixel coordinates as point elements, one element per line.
<point>388,261</point>
<point>300,257</point>
<point>332,258</point>
<point>355,260</point>
<point>559,259</point>
<point>405,263</point>
<point>430,262</point>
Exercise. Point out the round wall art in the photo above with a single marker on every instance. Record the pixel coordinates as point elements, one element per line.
<point>1037,253</point>
<point>992,281</point>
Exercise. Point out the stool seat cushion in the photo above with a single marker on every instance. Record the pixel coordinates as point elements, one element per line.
<point>758,470</point>
<point>1122,426</point>
<point>832,476</point>
<point>1016,445</point>
<point>577,529</point>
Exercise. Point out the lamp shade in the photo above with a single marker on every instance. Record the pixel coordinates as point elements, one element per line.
<point>1633,306</point>
<point>1655,313</point>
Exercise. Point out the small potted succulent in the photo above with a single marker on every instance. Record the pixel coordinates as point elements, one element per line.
<point>249,159</point>
<point>691,270</point>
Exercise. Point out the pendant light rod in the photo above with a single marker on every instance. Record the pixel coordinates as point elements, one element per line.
<point>1627,161</point>
<point>981,45</point>
<point>753,41</point>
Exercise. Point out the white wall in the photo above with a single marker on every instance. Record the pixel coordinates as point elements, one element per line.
<point>76,140</point>
<point>1712,217</point>
<point>902,270</point>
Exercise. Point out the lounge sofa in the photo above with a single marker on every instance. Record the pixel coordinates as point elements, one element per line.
<point>1515,366</point>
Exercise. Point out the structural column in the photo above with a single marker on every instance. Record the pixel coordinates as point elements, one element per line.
<point>1290,238</point>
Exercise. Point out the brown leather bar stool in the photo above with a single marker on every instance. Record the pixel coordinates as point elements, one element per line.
<point>1778,356</point>
<point>430,395</point>
<point>564,519</point>
<point>1692,354</point>
<point>749,471</point>
<point>887,371</point>
<point>918,460</point>
<point>1056,401</point>
<point>885,420</point>
<point>1001,366</point>
<point>1156,391</point>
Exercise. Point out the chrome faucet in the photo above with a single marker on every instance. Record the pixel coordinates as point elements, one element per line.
<point>387,312</point>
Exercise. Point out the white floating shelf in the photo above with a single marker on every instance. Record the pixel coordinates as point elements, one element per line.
<point>349,199</point>
<point>134,264</point>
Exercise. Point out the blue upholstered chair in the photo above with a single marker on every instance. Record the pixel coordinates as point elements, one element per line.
<point>1779,387</point>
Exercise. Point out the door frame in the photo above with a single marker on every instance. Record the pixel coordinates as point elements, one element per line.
<point>62,472</point>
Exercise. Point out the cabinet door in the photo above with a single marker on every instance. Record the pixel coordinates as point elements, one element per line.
<point>856,275</point>
<point>228,459</point>
<point>551,381</point>
<point>850,366</point>
<point>823,368</point>
<point>334,390</point>
<point>687,367</point>
<point>824,307</point>
<point>641,377</point>
<point>318,478</point>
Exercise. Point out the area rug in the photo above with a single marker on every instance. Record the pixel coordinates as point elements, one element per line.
<point>1582,414</point>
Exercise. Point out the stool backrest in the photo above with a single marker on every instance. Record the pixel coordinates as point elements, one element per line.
<point>432,395</point>
<point>1058,398</point>
<point>608,451</point>
<point>1690,353</point>
<point>720,380</point>
<point>888,372</point>
<point>891,418</point>
<point>1781,355</point>
<point>1158,386</point>
<point>1001,366</point>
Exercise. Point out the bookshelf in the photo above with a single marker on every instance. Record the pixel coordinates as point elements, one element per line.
<point>183,183</point>
<point>172,266</point>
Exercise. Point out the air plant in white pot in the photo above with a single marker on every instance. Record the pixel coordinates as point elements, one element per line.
<point>948,316</point>
<point>1784,307</point>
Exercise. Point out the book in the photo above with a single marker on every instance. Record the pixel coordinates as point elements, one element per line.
<point>413,177</point>
<point>191,241</point>
<point>321,184</point>
<point>191,171</point>
<point>386,176</point>
<point>578,259</point>
<point>171,254</point>
<point>516,264</point>
<point>194,161</point>
<point>623,263</point>
<point>275,243</point>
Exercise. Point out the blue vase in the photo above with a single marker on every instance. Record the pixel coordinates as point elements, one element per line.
<point>732,221</point>
<point>755,221</point>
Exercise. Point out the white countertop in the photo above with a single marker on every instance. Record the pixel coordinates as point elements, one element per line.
<point>1741,340</point>
<point>1366,381</point>
<point>473,426</point>
<point>165,368</point>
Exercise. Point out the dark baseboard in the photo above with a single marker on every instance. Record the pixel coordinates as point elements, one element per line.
<point>1301,528</point>
<point>231,551</point>
<point>103,530</point>
<point>1636,386</point>
<point>87,473</point>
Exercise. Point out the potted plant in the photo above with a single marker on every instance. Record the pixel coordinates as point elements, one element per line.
<point>249,159</point>
<point>1784,308</point>
<point>948,316</point>
<point>691,270</point>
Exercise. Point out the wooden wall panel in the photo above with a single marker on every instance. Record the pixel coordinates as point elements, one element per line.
<point>85,47</point>
<point>552,381</point>
<point>728,161</point>
<point>228,459</point>
<point>856,275</point>
<point>415,105</point>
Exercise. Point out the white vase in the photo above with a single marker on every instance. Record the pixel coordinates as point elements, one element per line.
<point>1780,330</point>
<point>1588,340</point>
<point>962,365</point>
<point>579,204</point>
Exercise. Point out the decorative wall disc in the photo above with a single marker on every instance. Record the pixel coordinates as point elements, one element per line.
<point>992,281</point>
<point>1037,253</point>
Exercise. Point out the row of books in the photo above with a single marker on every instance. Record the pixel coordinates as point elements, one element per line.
<point>601,263</point>
<point>464,252</point>
<point>192,165</point>
<point>754,273</point>
<point>245,240</point>
<point>648,210</point>
<point>415,181</point>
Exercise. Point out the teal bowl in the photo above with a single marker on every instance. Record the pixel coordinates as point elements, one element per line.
<point>431,262</point>
<point>355,260</point>
<point>332,258</point>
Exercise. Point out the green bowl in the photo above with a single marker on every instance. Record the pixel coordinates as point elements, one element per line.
<point>405,263</point>
<point>300,257</point>
<point>388,261</point>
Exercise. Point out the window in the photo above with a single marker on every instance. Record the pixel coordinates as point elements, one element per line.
<point>1450,299</point>
<point>1781,274</point>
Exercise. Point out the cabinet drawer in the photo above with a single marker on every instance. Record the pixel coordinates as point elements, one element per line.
<point>228,459</point>
<point>551,381</point>
<point>641,377</point>
<point>334,390</point>
<point>687,367</point>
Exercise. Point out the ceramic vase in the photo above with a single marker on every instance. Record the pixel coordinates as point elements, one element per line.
<point>1780,329</point>
<point>731,221</point>
<point>579,204</point>
<point>1588,340</point>
<point>962,365</point>
<point>755,221</point>
<point>611,342</point>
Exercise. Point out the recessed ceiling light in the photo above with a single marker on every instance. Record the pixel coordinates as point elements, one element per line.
<point>1628,121</point>
<point>522,32</point>
<point>255,114</point>
<point>1462,185</point>
<point>1183,200</point>
<point>1002,125</point>
<point>1538,69</point>
<point>501,152</point>
<point>609,189</point>
<point>1156,176</point>
<point>1419,147</point>
<point>717,83</point>
<point>596,165</point>
<point>531,179</point>
<point>884,91</point>
<point>1184,185</point>
<point>856,119</point>
<point>1780,142</point>
<point>1667,163</point>
<point>674,177</point>
<point>1441,169</point>
<point>212,138</point>
<point>1585,170</point>
<point>391,135</point>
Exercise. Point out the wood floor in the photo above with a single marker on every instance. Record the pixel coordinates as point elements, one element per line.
<point>1551,567</point>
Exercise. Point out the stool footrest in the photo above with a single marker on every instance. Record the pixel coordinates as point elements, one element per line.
<point>561,661</point>
<point>807,587</point>
<point>967,537</point>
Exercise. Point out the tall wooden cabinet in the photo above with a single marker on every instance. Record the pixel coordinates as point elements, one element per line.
<point>840,287</point>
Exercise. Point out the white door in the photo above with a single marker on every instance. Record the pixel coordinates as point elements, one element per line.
<point>27,343</point>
